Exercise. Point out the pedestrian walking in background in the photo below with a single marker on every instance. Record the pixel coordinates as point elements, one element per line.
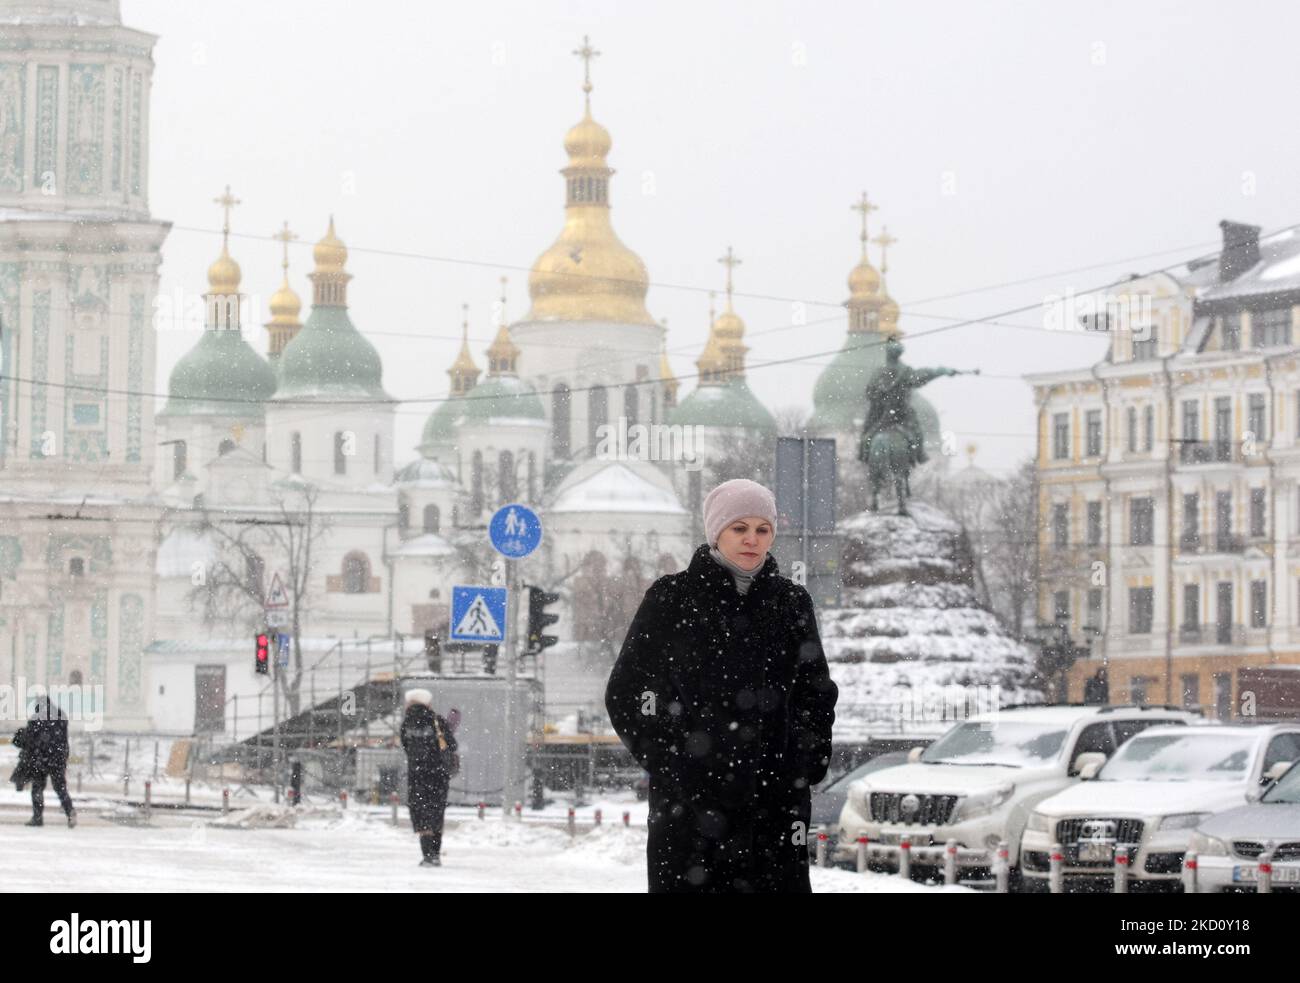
<point>43,745</point>
<point>431,760</point>
<point>722,693</point>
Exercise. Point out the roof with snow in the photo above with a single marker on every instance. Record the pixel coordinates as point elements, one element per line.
<point>615,487</point>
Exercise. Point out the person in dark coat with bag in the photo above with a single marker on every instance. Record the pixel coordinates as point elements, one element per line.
<point>43,745</point>
<point>431,760</point>
<point>722,693</point>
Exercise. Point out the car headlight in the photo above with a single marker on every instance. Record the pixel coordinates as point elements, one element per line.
<point>1038,823</point>
<point>984,803</point>
<point>1207,846</point>
<point>1182,820</point>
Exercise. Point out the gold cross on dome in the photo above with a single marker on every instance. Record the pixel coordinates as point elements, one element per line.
<point>884,241</point>
<point>285,236</point>
<point>864,206</point>
<point>226,201</point>
<point>730,261</point>
<point>586,53</point>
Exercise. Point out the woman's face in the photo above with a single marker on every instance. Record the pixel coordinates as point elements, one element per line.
<point>746,541</point>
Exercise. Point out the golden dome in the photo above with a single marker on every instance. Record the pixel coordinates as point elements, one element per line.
<point>464,373</point>
<point>285,305</point>
<point>330,253</point>
<point>502,352</point>
<point>712,362</point>
<point>587,143</point>
<point>729,326</point>
<point>224,274</point>
<point>889,315</point>
<point>864,280</point>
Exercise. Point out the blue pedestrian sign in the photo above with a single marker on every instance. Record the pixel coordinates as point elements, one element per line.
<point>515,531</point>
<point>478,614</point>
<point>282,651</point>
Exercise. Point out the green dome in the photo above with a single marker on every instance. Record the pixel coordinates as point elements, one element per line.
<point>221,368</point>
<point>840,394</point>
<point>441,426</point>
<point>330,357</point>
<point>502,397</point>
<point>731,404</point>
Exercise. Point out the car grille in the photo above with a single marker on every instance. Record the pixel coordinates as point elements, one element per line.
<point>933,810</point>
<point>1069,831</point>
<point>1250,849</point>
<point>1164,863</point>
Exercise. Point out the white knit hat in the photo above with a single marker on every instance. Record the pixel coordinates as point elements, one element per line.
<point>421,696</point>
<point>734,500</point>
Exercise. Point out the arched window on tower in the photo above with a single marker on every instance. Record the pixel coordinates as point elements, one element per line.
<point>404,515</point>
<point>225,447</point>
<point>506,485</point>
<point>631,403</point>
<point>561,413</point>
<point>431,518</point>
<point>597,414</point>
<point>476,483</point>
<point>356,574</point>
<point>179,459</point>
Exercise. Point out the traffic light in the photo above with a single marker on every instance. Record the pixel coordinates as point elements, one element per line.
<point>432,650</point>
<point>490,659</point>
<point>539,619</point>
<point>263,664</point>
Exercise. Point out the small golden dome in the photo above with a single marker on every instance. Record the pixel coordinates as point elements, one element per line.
<point>864,280</point>
<point>587,142</point>
<point>285,305</point>
<point>889,316</point>
<point>330,254</point>
<point>729,326</point>
<point>502,352</point>
<point>224,274</point>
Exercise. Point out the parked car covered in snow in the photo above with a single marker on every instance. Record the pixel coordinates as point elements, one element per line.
<point>1228,845</point>
<point>978,783</point>
<point>1150,796</point>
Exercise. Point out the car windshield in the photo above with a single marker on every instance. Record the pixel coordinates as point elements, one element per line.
<point>1182,758</point>
<point>1010,743</point>
<point>1287,789</point>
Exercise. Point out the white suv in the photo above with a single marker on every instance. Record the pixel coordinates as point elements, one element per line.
<point>978,783</point>
<point>1151,796</point>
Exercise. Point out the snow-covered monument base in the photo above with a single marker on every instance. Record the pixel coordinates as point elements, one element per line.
<point>911,649</point>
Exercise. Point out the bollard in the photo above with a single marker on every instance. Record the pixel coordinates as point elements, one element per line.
<point>597,817</point>
<point>1121,868</point>
<point>862,854</point>
<point>627,818</point>
<point>148,798</point>
<point>394,799</point>
<point>1054,875</point>
<point>1002,868</point>
<point>1264,881</point>
<point>187,791</point>
<point>343,798</point>
<point>519,811</point>
<point>126,784</point>
<point>905,858</point>
<point>573,827</point>
<point>950,862</point>
<point>821,850</point>
<point>225,801</point>
<point>1189,873</point>
<point>481,807</point>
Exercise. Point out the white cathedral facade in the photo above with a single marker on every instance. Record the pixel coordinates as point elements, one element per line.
<point>139,544</point>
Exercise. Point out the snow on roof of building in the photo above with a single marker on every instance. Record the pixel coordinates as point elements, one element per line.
<point>428,544</point>
<point>616,488</point>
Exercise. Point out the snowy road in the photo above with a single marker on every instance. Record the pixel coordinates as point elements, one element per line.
<point>332,850</point>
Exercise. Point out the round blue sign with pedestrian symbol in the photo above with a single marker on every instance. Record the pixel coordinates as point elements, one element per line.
<point>515,531</point>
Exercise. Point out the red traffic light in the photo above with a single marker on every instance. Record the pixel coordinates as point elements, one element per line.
<point>263,664</point>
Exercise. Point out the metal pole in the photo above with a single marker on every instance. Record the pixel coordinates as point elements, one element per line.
<point>275,710</point>
<point>235,737</point>
<point>803,522</point>
<point>512,615</point>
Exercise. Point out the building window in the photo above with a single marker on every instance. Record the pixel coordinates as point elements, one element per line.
<point>356,574</point>
<point>254,574</point>
<point>1145,347</point>
<point>225,447</point>
<point>561,406</point>
<point>431,518</point>
<point>1191,538</point>
<point>1191,606</point>
<point>76,567</point>
<point>1232,332</point>
<point>597,414</point>
<point>1223,520</point>
<point>476,483</point>
<point>1094,523</point>
<point>1258,604</point>
<point>1148,427</point>
<point>340,459</point>
<point>1257,418</point>
<point>1061,436</point>
<point>378,460</point>
<point>1142,521</point>
<point>403,515</point>
<point>1132,429</point>
<point>1093,431</point>
<point>1141,606</point>
<point>1060,526</point>
<point>1094,609</point>
<point>178,459</point>
<point>506,476</point>
<point>1191,684</point>
<point>1223,428</point>
<point>631,403</point>
<point>1270,328</point>
<point>295,453</point>
<point>1061,607</point>
<point>1257,513</point>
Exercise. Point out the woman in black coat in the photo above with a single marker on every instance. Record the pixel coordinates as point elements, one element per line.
<point>44,744</point>
<point>430,762</point>
<point>721,691</point>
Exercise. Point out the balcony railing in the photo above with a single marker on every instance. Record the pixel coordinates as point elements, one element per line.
<point>1212,634</point>
<point>1228,543</point>
<point>1209,451</point>
<point>1189,543</point>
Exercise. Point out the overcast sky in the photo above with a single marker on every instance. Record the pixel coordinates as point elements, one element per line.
<point>1002,141</point>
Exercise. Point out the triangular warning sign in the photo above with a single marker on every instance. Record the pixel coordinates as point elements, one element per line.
<point>276,597</point>
<point>478,620</point>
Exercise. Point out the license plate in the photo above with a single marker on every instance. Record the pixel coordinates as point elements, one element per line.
<point>1094,851</point>
<point>895,837</point>
<point>1281,875</point>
